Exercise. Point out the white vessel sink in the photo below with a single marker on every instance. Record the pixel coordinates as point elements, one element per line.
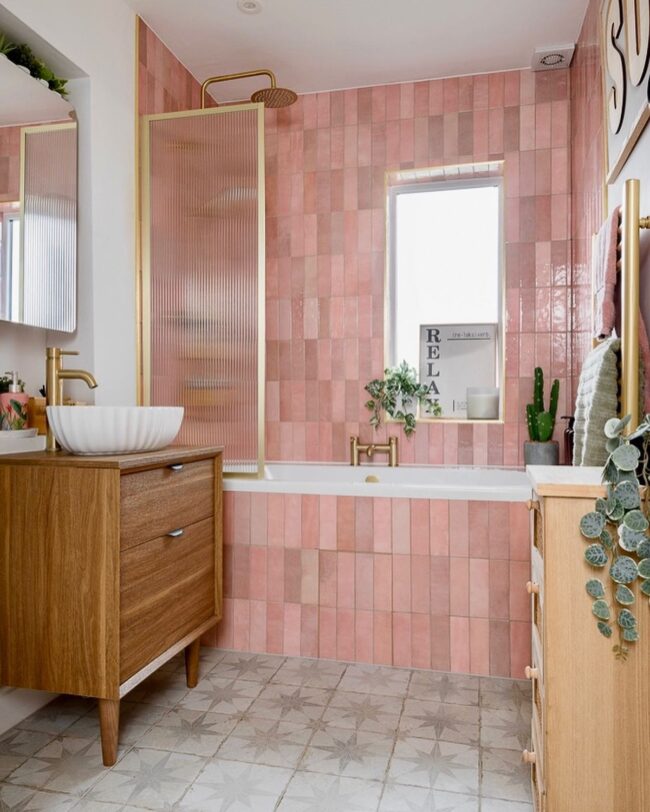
<point>114,429</point>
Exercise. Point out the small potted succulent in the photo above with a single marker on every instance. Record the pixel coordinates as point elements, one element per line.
<point>541,449</point>
<point>399,394</point>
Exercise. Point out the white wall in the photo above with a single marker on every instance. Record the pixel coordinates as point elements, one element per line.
<point>99,37</point>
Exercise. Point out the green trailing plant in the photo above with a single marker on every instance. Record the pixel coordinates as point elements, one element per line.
<point>617,534</point>
<point>6,45</point>
<point>24,56</point>
<point>398,394</point>
<point>541,423</point>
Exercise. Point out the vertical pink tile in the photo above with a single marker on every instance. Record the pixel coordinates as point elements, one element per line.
<point>275,527</point>
<point>499,648</point>
<point>459,644</point>
<point>258,626</point>
<point>275,575</point>
<point>401,526</point>
<point>345,634</point>
<point>259,507</point>
<point>292,621</point>
<point>382,638</point>
<point>440,643</point>
<point>479,587</point>
<point>479,645</point>
<point>420,641</point>
<point>241,625</point>
<point>275,628</point>
<point>459,586</point>
<point>402,639</point>
<point>309,631</point>
<point>439,527</point>
<point>519,543</point>
<point>328,522</point>
<point>327,633</point>
<point>402,583</point>
<point>458,527</point>
<point>382,525</point>
<point>382,583</point>
<point>364,524</point>
<point>440,585</point>
<point>519,606</point>
<point>363,636</point>
<point>345,581</point>
<point>258,573</point>
<point>420,518</point>
<point>519,648</point>
<point>309,583</point>
<point>345,523</point>
<point>420,583</point>
<point>478,522</point>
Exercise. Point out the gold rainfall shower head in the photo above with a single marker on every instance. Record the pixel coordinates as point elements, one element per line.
<point>273,96</point>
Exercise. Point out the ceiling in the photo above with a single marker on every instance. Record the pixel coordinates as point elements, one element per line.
<point>332,44</point>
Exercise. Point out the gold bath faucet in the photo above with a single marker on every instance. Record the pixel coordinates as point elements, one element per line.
<point>55,375</point>
<point>390,448</point>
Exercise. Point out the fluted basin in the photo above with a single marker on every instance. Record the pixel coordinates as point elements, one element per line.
<point>91,430</point>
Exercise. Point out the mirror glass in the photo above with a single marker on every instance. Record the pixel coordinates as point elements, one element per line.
<point>38,202</point>
<point>444,289</point>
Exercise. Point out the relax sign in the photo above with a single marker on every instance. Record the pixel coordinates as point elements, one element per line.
<point>626,79</point>
<point>455,356</point>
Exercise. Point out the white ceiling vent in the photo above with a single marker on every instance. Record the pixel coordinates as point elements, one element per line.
<point>553,58</point>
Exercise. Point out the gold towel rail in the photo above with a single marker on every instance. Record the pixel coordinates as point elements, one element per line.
<point>631,224</point>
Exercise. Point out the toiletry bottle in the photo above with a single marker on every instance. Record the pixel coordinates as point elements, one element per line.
<point>13,405</point>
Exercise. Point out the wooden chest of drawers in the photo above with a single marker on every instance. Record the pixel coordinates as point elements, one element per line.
<point>590,727</point>
<point>109,566</point>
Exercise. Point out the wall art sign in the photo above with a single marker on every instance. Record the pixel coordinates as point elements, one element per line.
<point>625,26</point>
<point>455,356</point>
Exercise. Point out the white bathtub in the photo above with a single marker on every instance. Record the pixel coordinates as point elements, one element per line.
<point>408,481</point>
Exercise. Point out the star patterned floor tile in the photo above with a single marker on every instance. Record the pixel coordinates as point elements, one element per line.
<point>368,712</point>
<point>401,798</point>
<point>26,799</point>
<point>507,728</point>
<point>309,792</point>
<point>437,686</point>
<point>375,679</point>
<point>232,786</point>
<point>290,703</point>
<point>154,779</point>
<point>266,741</point>
<point>17,745</point>
<point>493,805</point>
<point>135,719</point>
<point>252,667</point>
<point>506,693</point>
<point>348,753</point>
<point>436,765</point>
<point>221,695</point>
<point>198,733</point>
<point>314,673</point>
<point>437,720</point>
<point>504,775</point>
<point>58,715</point>
<point>67,764</point>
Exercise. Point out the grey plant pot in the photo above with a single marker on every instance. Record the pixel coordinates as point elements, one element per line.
<point>542,453</point>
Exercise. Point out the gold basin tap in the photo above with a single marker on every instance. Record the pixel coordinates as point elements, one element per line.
<point>55,375</point>
<point>390,448</point>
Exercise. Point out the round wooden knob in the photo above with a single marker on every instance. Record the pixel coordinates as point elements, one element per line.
<point>528,757</point>
<point>532,588</point>
<point>531,673</point>
<point>532,504</point>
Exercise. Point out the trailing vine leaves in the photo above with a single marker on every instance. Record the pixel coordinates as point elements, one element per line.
<point>398,394</point>
<point>617,534</point>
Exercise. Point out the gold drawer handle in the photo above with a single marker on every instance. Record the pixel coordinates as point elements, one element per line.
<point>531,673</point>
<point>529,757</point>
<point>532,588</point>
<point>174,534</point>
<point>532,504</point>
<point>177,466</point>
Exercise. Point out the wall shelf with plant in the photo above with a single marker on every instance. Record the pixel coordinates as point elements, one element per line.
<point>23,56</point>
<point>617,535</point>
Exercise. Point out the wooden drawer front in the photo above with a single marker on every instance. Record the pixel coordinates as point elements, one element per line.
<point>155,502</point>
<point>167,589</point>
<point>536,524</point>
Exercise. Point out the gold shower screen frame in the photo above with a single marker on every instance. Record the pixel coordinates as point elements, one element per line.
<point>145,277</point>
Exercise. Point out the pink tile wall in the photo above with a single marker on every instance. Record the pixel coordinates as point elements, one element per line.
<point>326,158</point>
<point>587,175</point>
<point>406,582</point>
<point>9,164</point>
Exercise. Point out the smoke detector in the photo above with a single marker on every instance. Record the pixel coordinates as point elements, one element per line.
<point>249,6</point>
<point>552,58</point>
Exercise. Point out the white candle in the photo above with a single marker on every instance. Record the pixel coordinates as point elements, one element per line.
<point>482,403</point>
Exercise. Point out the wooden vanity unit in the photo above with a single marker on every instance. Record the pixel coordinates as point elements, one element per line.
<point>109,566</point>
<point>591,712</point>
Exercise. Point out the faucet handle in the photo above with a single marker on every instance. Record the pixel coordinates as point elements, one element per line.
<point>69,352</point>
<point>56,352</point>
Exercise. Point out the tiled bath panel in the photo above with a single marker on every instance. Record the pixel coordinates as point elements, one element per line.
<point>406,582</point>
<point>263,732</point>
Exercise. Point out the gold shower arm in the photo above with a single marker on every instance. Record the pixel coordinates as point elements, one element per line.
<point>229,76</point>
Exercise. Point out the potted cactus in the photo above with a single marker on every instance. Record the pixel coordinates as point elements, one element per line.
<point>541,449</point>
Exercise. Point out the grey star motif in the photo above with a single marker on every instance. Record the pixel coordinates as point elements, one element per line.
<point>227,693</point>
<point>262,740</point>
<point>346,752</point>
<point>438,721</point>
<point>431,801</point>
<point>520,730</point>
<point>432,762</point>
<point>189,729</point>
<point>236,789</point>
<point>365,710</point>
<point>330,799</point>
<point>78,765</point>
<point>292,702</point>
<point>317,725</point>
<point>149,776</point>
<point>243,666</point>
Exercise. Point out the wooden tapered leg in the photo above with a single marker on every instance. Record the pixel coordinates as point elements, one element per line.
<point>192,663</point>
<point>109,726</point>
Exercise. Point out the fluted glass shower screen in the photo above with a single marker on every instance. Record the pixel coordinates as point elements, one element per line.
<point>202,285</point>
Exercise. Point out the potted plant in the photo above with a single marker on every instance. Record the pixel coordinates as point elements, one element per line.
<point>541,449</point>
<point>399,394</point>
<point>6,45</point>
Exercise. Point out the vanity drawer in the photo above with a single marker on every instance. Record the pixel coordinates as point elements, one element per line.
<point>154,502</point>
<point>167,589</point>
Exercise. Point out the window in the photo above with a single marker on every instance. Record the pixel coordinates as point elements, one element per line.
<point>444,287</point>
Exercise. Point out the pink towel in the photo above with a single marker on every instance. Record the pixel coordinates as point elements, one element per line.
<point>603,272</point>
<point>603,269</point>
